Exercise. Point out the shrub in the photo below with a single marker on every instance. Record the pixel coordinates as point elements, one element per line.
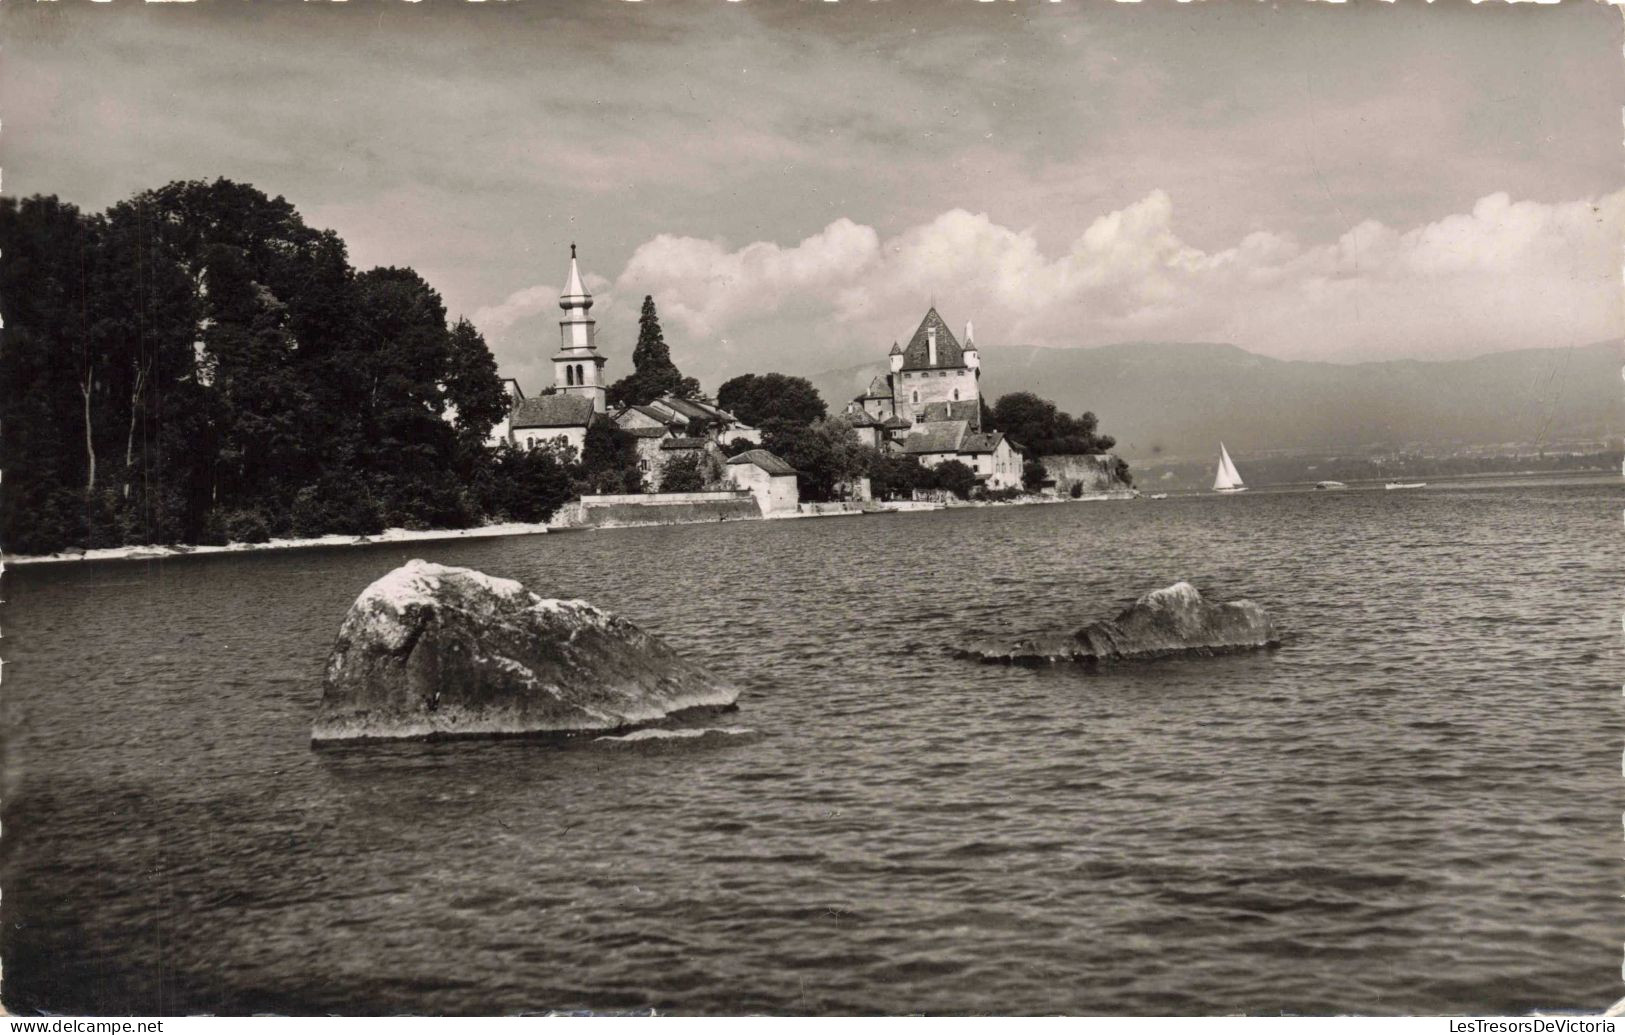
<point>682,474</point>
<point>1033,474</point>
<point>956,477</point>
<point>1122,472</point>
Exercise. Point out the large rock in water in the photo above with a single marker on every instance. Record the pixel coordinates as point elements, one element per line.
<point>433,651</point>
<point>1164,622</point>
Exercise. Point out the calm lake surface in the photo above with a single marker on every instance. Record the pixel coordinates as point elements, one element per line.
<point>1411,806</point>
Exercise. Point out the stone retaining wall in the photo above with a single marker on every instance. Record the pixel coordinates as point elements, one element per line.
<point>658,509</point>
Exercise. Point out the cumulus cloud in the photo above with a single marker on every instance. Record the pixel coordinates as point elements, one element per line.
<point>496,320</point>
<point>1507,274</point>
<point>707,289</point>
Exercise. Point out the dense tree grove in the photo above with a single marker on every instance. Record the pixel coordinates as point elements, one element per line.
<point>758,399</point>
<point>196,364</point>
<point>653,373</point>
<point>1043,430</point>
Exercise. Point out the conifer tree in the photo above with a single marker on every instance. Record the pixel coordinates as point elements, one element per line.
<point>653,373</point>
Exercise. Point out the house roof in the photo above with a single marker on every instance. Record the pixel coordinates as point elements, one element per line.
<point>861,419</point>
<point>690,409</point>
<point>651,413</point>
<point>952,409</point>
<point>917,356</point>
<point>684,442</point>
<point>943,436</point>
<point>559,410</point>
<point>648,432</point>
<point>894,423</point>
<point>979,442</point>
<point>879,388</point>
<point>763,459</point>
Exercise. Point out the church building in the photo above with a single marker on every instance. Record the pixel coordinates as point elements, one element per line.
<point>577,396</point>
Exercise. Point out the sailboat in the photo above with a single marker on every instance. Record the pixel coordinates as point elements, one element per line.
<point>1228,479</point>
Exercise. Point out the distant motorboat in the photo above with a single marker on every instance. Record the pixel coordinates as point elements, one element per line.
<point>1406,485</point>
<point>1228,479</point>
<point>1330,485</point>
<point>1159,496</point>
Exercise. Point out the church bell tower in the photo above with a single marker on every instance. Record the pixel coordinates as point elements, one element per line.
<point>578,369</point>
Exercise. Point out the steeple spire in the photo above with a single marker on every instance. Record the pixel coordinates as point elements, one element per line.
<point>575,294</point>
<point>578,369</point>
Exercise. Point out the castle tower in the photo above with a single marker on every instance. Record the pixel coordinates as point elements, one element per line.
<point>972,358</point>
<point>578,369</point>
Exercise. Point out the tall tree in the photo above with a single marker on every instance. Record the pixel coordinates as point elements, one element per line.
<point>45,296</point>
<point>473,390</point>
<point>653,373</point>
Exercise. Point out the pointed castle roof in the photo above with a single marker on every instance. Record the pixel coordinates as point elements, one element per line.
<point>917,356</point>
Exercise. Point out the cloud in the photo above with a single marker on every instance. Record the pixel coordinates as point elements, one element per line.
<point>705,288</point>
<point>497,320</point>
<point>1504,275</point>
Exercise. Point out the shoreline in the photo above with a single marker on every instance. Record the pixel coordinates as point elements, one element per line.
<point>150,552</point>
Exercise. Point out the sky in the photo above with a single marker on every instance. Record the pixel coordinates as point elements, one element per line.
<point>795,182</point>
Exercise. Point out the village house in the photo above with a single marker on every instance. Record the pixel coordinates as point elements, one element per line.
<point>770,480</point>
<point>669,427</point>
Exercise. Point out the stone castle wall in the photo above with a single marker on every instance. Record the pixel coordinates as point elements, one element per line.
<point>932,386</point>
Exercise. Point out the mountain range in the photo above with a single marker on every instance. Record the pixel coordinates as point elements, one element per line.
<point>1173,400</point>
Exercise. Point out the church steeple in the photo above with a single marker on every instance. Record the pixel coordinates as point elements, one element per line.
<point>578,369</point>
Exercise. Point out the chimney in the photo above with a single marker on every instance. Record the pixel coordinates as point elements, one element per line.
<point>931,345</point>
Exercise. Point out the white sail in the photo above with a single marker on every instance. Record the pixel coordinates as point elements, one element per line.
<point>1228,478</point>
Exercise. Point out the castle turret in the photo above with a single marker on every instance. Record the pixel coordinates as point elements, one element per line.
<point>578,369</point>
<point>896,357</point>
<point>972,358</point>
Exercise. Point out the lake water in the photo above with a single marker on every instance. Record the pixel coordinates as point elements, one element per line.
<point>1412,806</point>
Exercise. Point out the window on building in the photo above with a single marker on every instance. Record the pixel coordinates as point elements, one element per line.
<point>916,397</point>
<point>956,395</point>
<point>530,441</point>
<point>581,377</point>
<point>643,465</point>
<point>570,376</point>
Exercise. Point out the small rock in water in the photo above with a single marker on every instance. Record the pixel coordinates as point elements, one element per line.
<point>1164,622</point>
<point>435,651</point>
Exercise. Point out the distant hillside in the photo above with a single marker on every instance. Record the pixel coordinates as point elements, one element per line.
<point>1177,400</point>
